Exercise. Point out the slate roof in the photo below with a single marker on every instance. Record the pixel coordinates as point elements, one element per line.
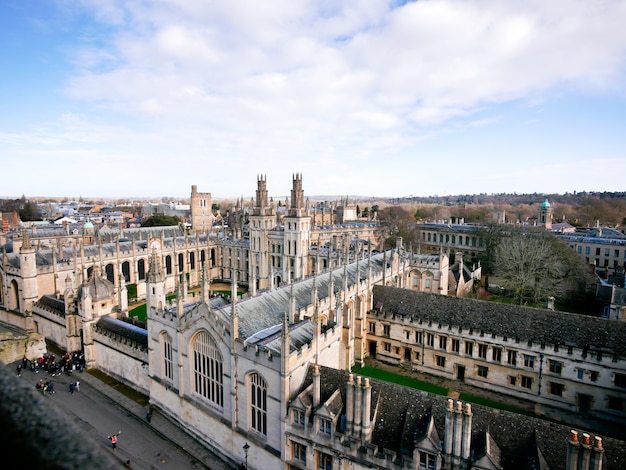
<point>126,330</point>
<point>523,323</point>
<point>522,442</point>
<point>267,311</point>
<point>50,302</point>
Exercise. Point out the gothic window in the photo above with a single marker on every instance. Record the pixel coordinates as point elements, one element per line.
<point>141,269</point>
<point>167,356</point>
<point>181,262</point>
<point>469,348</point>
<point>168,264</point>
<point>208,369</point>
<point>258,404</point>
<point>443,342</point>
<point>455,345</point>
<point>299,452</point>
<point>126,271</point>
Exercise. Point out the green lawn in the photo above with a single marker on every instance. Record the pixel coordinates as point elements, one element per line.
<point>374,373</point>
<point>380,374</point>
<point>141,313</point>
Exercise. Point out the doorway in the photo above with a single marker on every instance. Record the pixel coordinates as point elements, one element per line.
<point>460,373</point>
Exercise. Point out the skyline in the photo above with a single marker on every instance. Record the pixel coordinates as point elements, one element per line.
<point>375,98</point>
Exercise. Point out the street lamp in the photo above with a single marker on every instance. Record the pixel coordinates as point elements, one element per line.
<point>245,449</point>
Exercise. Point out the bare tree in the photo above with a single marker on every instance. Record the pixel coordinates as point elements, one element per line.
<point>534,266</point>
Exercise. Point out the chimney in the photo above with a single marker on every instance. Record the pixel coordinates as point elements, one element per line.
<point>350,404</point>
<point>367,409</point>
<point>584,452</point>
<point>596,454</point>
<point>449,427</point>
<point>572,451</point>
<point>467,432</point>
<point>458,429</point>
<point>358,408</point>
<point>316,386</point>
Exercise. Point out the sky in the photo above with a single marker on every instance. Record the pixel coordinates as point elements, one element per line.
<point>137,98</point>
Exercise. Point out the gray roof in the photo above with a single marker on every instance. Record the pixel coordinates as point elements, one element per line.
<point>404,413</point>
<point>514,322</point>
<point>266,311</point>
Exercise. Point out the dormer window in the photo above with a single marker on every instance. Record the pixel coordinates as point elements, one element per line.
<point>298,416</point>
<point>325,425</point>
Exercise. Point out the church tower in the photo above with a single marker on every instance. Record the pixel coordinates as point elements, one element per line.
<point>297,238</point>
<point>545,214</point>
<point>201,210</point>
<point>262,219</point>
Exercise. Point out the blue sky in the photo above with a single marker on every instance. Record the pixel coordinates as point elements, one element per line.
<point>107,98</point>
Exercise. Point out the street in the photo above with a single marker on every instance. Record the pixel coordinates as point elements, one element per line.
<point>99,416</point>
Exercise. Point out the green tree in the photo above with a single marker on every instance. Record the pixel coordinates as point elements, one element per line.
<point>28,212</point>
<point>160,220</point>
<point>131,290</point>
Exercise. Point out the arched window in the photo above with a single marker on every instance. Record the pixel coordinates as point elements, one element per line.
<point>208,369</point>
<point>167,361</point>
<point>126,271</point>
<point>110,272</point>
<point>258,404</point>
<point>141,269</point>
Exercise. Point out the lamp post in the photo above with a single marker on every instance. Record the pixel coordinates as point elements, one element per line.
<point>245,449</point>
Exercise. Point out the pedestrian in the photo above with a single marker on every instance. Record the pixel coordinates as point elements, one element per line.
<point>149,414</point>
<point>77,386</point>
<point>127,464</point>
<point>19,370</point>
<point>113,439</point>
<point>72,388</point>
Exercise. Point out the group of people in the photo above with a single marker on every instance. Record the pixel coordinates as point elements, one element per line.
<point>48,362</point>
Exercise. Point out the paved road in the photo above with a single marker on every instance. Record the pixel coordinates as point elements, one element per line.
<point>99,410</point>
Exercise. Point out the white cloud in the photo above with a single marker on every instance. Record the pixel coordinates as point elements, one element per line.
<point>325,81</point>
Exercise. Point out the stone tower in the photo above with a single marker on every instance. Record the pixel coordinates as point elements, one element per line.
<point>262,219</point>
<point>201,210</point>
<point>297,238</point>
<point>545,214</point>
<point>28,268</point>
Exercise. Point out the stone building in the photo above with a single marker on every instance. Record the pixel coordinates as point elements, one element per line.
<point>562,360</point>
